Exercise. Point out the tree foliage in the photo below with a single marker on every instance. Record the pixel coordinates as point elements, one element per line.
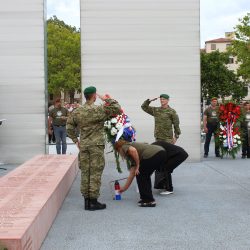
<point>241,47</point>
<point>64,59</point>
<point>217,80</point>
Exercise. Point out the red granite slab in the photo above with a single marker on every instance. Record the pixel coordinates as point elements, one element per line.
<point>30,197</point>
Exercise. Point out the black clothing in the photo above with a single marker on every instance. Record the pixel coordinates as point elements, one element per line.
<point>211,130</point>
<point>164,162</point>
<point>175,156</point>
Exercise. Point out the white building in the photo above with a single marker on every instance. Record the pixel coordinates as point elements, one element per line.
<point>221,44</point>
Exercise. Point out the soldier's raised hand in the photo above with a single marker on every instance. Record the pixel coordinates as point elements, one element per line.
<point>154,99</point>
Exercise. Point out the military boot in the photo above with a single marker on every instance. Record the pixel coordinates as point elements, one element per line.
<point>95,205</point>
<point>86,203</point>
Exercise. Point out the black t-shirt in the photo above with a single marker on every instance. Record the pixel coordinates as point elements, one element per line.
<point>56,114</point>
<point>212,115</point>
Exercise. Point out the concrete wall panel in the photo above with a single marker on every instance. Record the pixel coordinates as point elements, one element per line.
<point>22,80</point>
<point>137,49</point>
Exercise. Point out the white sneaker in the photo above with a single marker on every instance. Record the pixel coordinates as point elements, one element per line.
<point>166,192</point>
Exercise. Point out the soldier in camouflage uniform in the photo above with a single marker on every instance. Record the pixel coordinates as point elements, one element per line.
<point>245,126</point>
<point>166,129</point>
<point>90,120</point>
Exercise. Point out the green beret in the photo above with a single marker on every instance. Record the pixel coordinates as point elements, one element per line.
<point>164,96</point>
<point>89,90</point>
<point>214,98</point>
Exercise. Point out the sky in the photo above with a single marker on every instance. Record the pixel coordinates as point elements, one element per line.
<point>216,16</point>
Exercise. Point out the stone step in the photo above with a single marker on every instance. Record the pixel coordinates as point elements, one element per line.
<point>30,197</point>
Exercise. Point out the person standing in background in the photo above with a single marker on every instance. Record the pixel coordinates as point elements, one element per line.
<point>211,123</point>
<point>52,135</point>
<point>246,131</point>
<point>58,118</point>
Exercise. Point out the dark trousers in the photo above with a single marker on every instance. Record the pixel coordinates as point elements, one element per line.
<point>245,144</point>
<point>175,155</point>
<point>147,168</point>
<point>52,137</point>
<point>211,130</point>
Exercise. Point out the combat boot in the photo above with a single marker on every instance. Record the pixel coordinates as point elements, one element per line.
<point>86,203</point>
<point>95,205</point>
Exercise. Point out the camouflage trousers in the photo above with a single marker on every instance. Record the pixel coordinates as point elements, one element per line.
<point>91,164</point>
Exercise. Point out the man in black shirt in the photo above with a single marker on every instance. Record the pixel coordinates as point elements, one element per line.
<point>211,123</point>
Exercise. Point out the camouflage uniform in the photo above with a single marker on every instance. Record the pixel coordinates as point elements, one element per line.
<point>165,120</point>
<point>245,127</point>
<point>90,120</point>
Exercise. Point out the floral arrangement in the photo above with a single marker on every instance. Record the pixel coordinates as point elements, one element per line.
<point>119,127</point>
<point>229,134</point>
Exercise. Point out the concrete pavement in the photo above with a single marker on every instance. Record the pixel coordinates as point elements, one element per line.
<point>210,209</point>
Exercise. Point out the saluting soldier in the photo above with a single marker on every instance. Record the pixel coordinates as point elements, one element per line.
<point>90,120</point>
<point>166,129</point>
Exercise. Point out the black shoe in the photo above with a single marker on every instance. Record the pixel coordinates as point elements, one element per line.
<point>143,201</point>
<point>95,205</point>
<point>205,155</point>
<point>86,203</point>
<point>146,204</point>
<point>217,155</point>
<point>243,156</point>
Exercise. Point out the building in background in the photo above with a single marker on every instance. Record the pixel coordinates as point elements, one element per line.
<point>221,44</point>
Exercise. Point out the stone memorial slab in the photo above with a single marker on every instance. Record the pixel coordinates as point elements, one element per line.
<point>30,197</point>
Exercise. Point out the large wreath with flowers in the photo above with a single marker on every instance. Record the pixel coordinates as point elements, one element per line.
<point>119,127</point>
<point>229,134</point>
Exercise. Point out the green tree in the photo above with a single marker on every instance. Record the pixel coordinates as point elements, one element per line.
<point>217,80</point>
<point>241,47</point>
<point>64,57</point>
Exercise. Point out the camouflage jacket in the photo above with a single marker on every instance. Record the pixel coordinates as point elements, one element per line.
<point>165,120</point>
<point>89,119</point>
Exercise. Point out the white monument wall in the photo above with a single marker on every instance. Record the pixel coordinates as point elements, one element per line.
<point>22,80</point>
<point>138,49</point>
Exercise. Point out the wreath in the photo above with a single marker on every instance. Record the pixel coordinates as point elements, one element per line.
<point>228,136</point>
<point>119,127</point>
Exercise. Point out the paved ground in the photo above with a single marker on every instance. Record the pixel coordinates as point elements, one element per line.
<point>210,209</point>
